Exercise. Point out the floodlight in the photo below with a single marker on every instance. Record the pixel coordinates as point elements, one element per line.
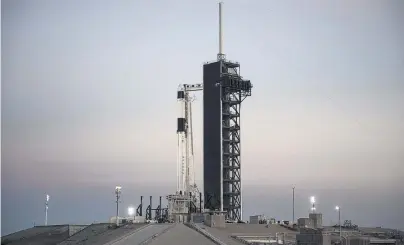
<point>337,208</point>
<point>131,211</point>
<point>47,197</point>
<point>312,199</point>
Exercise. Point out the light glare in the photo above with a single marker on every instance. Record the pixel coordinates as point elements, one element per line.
<point>312,199</point>
<point>337,208</point>
<point>131,211</point>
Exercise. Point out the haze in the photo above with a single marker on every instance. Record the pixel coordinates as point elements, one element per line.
<point>89,102</point>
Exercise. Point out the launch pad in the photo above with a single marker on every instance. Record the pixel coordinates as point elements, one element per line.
<point>180,206</point>
<point>223,91</point>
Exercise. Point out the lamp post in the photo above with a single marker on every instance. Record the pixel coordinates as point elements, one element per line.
<point>293,206</point>
<point>118,195</point>
<point>46,209</point>
<point>339,221</point>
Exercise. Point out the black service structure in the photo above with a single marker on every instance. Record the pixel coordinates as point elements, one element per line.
<point>223,91</point>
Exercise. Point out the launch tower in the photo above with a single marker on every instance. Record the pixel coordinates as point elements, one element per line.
<point>223,91</point>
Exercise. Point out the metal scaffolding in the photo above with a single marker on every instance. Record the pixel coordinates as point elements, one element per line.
<point>234,89</point>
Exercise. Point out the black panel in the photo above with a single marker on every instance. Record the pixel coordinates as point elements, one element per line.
<point>211,134</point>
<point>180,125</point>
<point>180,95</point>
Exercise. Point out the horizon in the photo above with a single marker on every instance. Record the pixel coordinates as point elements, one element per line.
<point>270,200</point>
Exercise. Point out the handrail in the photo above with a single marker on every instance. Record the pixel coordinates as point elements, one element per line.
<point>128,234</point>
<point>150,239</point>
<point>205,233</point>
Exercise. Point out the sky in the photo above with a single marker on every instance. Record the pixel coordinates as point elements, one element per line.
<point>88,101</point>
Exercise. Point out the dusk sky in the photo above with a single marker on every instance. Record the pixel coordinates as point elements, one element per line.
<point>89,102</point>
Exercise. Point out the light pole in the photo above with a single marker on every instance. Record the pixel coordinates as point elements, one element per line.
<point>118,195</point>
<point>313,204</point>
<point>46,209</point>
<point>339,221</point>
<point>293,206</point>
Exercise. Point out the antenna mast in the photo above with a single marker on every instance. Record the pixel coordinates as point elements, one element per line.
<point>220,55</point>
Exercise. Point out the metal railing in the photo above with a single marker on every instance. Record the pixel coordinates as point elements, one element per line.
<point>205,233</point>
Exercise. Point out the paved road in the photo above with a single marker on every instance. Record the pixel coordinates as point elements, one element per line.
<point>181,235</point>
<point>143,234</point>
